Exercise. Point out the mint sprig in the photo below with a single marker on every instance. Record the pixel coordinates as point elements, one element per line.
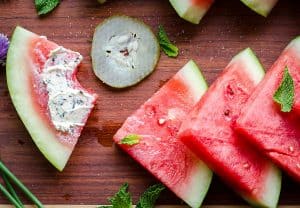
<point>122,199</point>
<point>131,139</point>
<point>170,49</point>
<point>45,6</point>
<point>11,177</point>
<point>150,196</point>
<point>285,93</point>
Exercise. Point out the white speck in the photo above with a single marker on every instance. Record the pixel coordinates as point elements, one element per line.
<point>246,166</point>
<point>161,121</point>
<point>291,149</point>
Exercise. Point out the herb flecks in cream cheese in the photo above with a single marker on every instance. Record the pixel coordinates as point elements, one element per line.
<point>122,50</point>
<point>68,106</point>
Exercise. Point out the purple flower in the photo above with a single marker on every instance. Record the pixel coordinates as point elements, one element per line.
<point>4,43</point>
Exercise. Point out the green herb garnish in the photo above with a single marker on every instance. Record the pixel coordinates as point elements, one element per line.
<point>11,190</point>
<point>10,176</point>
<point>9,197</point>
<point>122,199</point>
<point>131,139</point>
<point>170,49</point>
<point>285,93</point>
<point>149,197</point>
<point>45,6</point>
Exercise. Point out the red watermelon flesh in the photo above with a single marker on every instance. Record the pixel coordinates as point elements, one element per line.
<point>157,122</point>
<point>275,133</point>
<point>208,133</point>
<point>28,56</point>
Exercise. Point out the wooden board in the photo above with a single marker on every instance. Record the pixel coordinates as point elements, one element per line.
<point>158,206</point>
<point>97,168</point>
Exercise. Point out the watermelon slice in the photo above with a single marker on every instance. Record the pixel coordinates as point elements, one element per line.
<point>41,78</point>
<point>274,132</point>
<point>191,10</point>
<point>157,123</point>
<point>208,133</point>
<point>262,7</point>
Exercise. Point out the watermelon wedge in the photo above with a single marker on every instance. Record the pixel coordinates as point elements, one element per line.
<point>208,133</point>
<point>156,123</point>
<point>191,10</point>
<point>275,133</point>
<point>41,78</point>
<point>262,7</point>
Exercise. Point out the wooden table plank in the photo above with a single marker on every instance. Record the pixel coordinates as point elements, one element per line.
<point>96,168</point>
<point>159,206</point>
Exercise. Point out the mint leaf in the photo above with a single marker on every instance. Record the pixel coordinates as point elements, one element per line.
<point>121,199</point>
<point>285,93</point>
<point>45,6</point>
<point>170,49</point>
<point>131,139</point>
<point>149,197</point>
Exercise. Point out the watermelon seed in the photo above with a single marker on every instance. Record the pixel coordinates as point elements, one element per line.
<point>291,149</point>
<point>229,91</point>
<point>298,165</point>
<point>227,112</point>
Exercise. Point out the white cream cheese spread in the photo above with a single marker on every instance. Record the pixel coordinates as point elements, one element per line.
<point>122,50</point>
<point>68,105</point>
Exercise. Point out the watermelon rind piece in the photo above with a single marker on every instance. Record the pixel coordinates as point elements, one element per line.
<point>194,186</point>
<point>273,182</point>
<point>262,7</point>
<point>18,81</point>
<point>249,59</point>
<point>194,78</point>
<point>295,44</point>
<point>201,181</point>
<point>189,12</point>
<point>272,190</point>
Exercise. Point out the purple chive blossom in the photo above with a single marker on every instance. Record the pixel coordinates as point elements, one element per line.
<point>4,43</point>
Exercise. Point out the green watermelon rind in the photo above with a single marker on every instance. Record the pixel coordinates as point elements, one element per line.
<point>20,92</point>
<point>273,181</point>
<point>259,6</point>
<point>193,78</point>
<point>188,12</point>
<point>250,61</point>
<point>273,184</point>
<point>294,44</point>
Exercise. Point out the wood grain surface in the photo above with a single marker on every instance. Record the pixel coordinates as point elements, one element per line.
<point>97,168</point>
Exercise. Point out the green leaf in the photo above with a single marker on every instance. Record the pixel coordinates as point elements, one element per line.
<point>122,198</point>
<point>170,49</point>
<point>45,6</point>
<point>131,139</point>
<point>149,197</point>
<point>285,93</point>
